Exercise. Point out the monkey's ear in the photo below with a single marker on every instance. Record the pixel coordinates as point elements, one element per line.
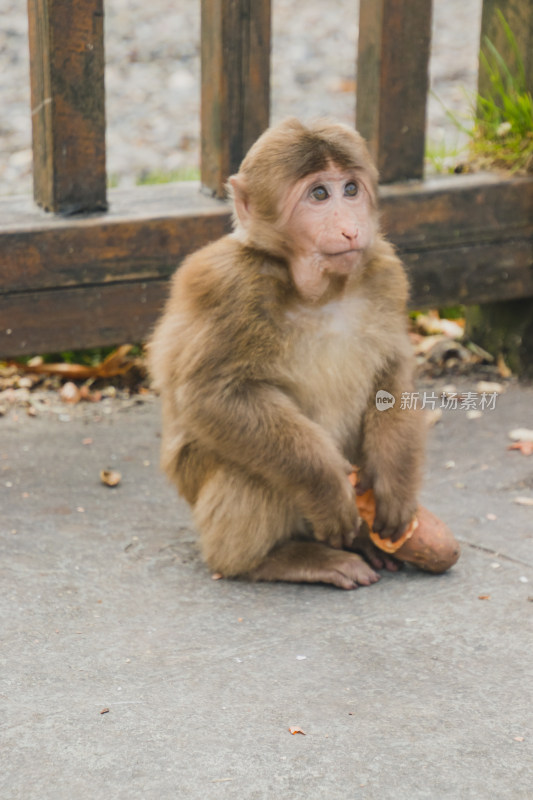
<point>241,200</point>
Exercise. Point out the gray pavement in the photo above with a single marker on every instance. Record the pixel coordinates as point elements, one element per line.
<point>412,688</point>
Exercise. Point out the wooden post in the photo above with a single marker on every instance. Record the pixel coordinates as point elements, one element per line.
<point>67,101</point>
<point>235,84</point>
<point>392,84</point>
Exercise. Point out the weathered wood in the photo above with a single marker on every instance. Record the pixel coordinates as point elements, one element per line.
<point>476,273</point>
<point>505,329</point>
<point>392,83</point>
<point>519,16</point>
<point>463,239</point>
<point>92,316</point>
<point>145,235</point>
<point>148,230</point>
<point>235,54</point>
<point>67,102</point>
<point>456,210</point>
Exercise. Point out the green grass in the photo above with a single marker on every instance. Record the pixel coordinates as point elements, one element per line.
<point>503,121</point>
<point>500,128</point>
<point>442,157</point>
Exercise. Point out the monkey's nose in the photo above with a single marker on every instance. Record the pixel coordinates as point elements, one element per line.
<point>350,236</point>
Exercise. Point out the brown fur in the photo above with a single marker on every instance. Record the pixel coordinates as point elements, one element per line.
<point>268,399</point>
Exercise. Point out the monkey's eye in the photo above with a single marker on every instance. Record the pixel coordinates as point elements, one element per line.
<point>319,193</point>
<point>351,189</point>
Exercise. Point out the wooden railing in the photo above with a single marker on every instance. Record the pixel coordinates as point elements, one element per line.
<point>95,270</point>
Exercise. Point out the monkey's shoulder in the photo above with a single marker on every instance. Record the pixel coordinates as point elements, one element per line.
<point>385,278</point>
<point>226,275</point>
<point>225,307</point>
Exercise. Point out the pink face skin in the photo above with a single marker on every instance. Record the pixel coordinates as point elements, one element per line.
<point>330,224</point>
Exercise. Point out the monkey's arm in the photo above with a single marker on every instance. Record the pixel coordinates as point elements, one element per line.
<point>255,425</point>
<point>393,445</point>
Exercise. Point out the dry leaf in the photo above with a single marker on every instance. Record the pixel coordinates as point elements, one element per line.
<point>69,393</point>
<point>110,477</point>
<point>518,738</point>
<point>526,448</point>
<point>113,365</point>
<point>524,501</point>
<point>503,369</point>
<point>295,729</point>
<point>424,345</point>
<point>484,597</point>
<point>490,387</point>
<point>104,711</point>
<point>432,324</point>
<point>521,435</point>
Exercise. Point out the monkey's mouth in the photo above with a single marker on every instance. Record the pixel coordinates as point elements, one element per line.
<point>350,251</point>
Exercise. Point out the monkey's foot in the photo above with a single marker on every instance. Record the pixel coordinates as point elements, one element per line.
<point>375,557</point>
<point>314,562</point>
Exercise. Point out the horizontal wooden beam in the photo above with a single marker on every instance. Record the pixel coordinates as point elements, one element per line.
<point>76,318</point>
<point>101,279</point>
<point>145,235</point>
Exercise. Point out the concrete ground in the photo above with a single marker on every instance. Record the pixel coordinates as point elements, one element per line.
<point>417,687</point>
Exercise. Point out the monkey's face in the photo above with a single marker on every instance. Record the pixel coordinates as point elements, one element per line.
<point>329,221</point>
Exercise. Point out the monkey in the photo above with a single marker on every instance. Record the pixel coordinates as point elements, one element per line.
<point>268,356</point>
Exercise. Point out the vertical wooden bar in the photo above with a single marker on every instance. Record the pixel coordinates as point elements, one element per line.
<point>519,16</point>
<point>68,104</point>
<point>392,83</point>
<point>235,84</point>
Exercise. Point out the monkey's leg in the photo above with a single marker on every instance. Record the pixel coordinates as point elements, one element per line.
<point>240,519</point>
<point>245,528</point>
<point>314,562</point>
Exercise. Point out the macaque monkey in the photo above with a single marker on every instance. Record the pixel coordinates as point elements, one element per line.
<point>268,356</point>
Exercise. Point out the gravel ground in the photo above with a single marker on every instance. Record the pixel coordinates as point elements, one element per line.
<point>153,71</point>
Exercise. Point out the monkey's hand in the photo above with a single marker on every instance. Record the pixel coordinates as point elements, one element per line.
<point>395,508</point>
<point>335,519</point>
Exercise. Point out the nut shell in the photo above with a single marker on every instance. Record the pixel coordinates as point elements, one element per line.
<point>432,546</point>
<point>427,542</point>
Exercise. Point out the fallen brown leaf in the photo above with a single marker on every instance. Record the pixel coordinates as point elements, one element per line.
<point>69,393</point>
<point>110,477</point>
<point>524,501</point>
<point>526,448</point>
<point>111,366</point>
<point>295,729</point>
<point>104,711</point>
<point>521,435</point>
<point>484,597</point>
<point>503,369</point>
